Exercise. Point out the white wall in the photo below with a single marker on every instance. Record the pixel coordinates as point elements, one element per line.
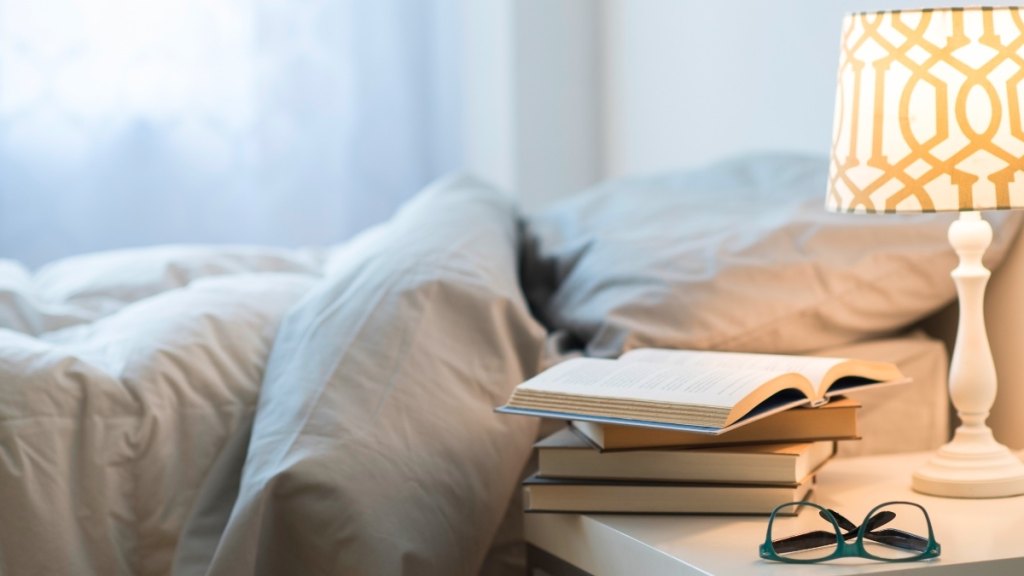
<point>689,81</point>
<point>560,94</point>
<point>532,118</point>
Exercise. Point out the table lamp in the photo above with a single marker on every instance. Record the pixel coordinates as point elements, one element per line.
<point>928,118</point>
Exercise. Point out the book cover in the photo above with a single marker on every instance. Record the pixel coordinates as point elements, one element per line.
<point>606,496</point>
<point>565,454</point>
<point>836,420</point>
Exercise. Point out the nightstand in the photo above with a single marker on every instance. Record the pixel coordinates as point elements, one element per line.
<point>978,537</point>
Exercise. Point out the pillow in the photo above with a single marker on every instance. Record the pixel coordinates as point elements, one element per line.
<point>738,256</point>
<point>106,281</point>
<point>375,448</point>
<point>87,287</point>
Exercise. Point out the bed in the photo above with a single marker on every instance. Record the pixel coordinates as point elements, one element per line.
<point>244,410</point>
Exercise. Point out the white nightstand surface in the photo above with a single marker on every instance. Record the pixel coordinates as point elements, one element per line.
<point>979,537</point>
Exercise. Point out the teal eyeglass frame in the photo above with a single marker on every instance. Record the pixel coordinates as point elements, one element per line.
<point>929,548</point>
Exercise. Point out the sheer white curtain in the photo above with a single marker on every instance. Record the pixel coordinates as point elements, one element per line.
<point>133,122</point>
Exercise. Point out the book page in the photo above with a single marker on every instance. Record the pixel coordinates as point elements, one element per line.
<point>677,384</point>
<point>814,368</point>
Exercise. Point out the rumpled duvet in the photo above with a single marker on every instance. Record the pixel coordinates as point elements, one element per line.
<point>232,410</point>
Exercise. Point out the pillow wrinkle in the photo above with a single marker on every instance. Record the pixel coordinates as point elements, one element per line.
<point>301,422</point>
<point>851,289</point>
<point>409,338</point>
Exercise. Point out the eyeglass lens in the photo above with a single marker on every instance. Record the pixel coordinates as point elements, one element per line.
<point>801,533</point>
<point>896,532</point>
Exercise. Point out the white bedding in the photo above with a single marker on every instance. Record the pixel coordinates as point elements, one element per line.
<point>222,411</point>
<point>118,391</point>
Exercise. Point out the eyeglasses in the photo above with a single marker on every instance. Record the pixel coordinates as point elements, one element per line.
<point>805,538</point>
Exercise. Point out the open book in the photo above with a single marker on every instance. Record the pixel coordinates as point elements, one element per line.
<point>710,392</point>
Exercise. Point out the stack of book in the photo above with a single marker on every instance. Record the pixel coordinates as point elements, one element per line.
<point>671,431</point>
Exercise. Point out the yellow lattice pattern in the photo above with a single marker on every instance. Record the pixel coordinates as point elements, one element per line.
<point>928,111</point>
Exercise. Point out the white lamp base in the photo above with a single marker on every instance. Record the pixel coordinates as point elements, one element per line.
<point>973,464</point>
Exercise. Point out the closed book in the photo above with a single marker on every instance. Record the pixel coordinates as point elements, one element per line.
<point>564,454</point>
<point>836,420</point>
<point>697,391</point>
<point>610,496</point>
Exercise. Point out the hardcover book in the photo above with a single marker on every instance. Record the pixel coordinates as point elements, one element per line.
<point>610,496</point>
<point>709,392</point>
<point>836,420</point>
<point>564,454</point>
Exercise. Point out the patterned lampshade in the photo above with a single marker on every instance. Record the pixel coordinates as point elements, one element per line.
<point>928,111</point>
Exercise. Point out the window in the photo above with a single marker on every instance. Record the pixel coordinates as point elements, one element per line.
<point>131,122</point>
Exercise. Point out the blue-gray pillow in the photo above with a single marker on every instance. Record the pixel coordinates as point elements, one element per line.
<point>737,256</point>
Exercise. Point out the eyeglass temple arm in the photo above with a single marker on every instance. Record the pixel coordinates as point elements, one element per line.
<point>898,539</point>
<point>807,541</point>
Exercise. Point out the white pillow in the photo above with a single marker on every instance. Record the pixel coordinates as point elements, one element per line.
<point>87,287</point>
<point>103,282</point>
